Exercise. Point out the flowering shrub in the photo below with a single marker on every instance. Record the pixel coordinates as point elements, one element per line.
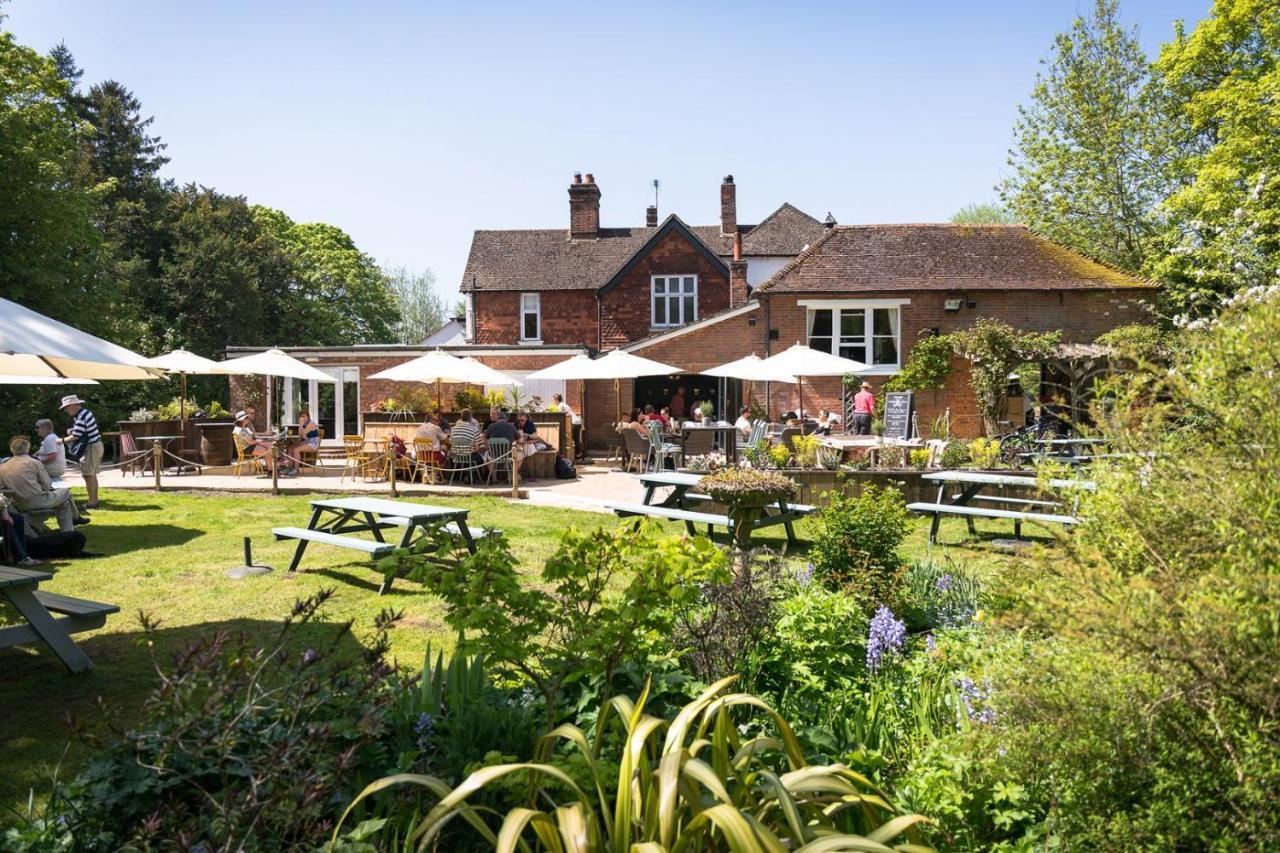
<point>709,462</point>
<point>984,452</point>
<point>919,459</point>
<point>779,456</point>
<point>735,487</point>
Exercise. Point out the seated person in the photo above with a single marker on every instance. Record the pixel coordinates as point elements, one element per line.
<point>826,422</point>
<point>431,430</point>
<point>249,443</point>
<point>466,433</point>
<point>559,405</point>
<point>307,440</point>
<point>743,424</point>
<point>500,427</point>
<point>637,423</point>
<point>14,534</point>
<point>51,452</point>
<point>526,427</point>
<point>791,419</point>
<point>33,491</point>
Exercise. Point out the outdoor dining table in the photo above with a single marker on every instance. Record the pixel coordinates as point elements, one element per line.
<point>682,486</point>
<point>19,587</point>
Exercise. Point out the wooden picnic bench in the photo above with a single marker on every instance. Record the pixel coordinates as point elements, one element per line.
<point>331,520</point>
<point>19,586</point>
<point>676,505</point>
<point>973,482</point>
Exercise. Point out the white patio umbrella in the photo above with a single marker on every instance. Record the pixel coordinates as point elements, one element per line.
<point>616,365</point>
<point>44,380</point>
<point>801,361</point>
<point>273,362</point>
<point>185,363</point>
<point>439,367</point>
<point>32,344</point>
<point>751,369</point>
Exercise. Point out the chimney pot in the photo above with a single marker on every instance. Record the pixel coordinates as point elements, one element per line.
<point>830,221</point>
<point>651,216</point>
<point>577,177</point>
<point>737,246</point>
<point>590,178</point>
<point>728,179</point>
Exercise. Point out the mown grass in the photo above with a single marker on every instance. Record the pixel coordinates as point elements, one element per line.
<point>167,555</point>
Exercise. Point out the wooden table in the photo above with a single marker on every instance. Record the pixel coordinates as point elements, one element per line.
<point>675,504</point>
<point>331,520</point>
<point>37,608</point>
<point>972,484</point>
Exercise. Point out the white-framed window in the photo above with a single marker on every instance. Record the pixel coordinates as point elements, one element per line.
<point>673,300</point>
<point>530,317</point>
<point>869,332</point>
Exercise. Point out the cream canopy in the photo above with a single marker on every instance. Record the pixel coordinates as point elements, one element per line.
<point>32,344</point>
<point>802,361</point>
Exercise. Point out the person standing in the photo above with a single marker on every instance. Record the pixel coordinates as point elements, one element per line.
<point>86,440</point>
<point>51,453</point>
<point>676,405</point>
<point>864,409</point>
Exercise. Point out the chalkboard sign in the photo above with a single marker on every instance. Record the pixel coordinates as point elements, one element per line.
<point>898,407</point>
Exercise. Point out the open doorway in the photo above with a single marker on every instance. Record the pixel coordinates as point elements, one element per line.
<point>657,391</point>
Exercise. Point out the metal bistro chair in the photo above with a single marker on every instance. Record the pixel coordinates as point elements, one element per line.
<point>660,450</point>
<point>355,459</point>
<point>499,458</point>
<point>759,430</point>
<point>243,459</point>
<point>460,453</point>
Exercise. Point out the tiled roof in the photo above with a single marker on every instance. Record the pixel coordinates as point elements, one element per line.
<point>942,257</point>
<point>785,232</point>
<point>546,259</point>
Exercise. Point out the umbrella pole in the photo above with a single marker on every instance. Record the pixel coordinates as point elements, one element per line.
<point>617,396</point>
<point>582,404</point>
<point>182,407</point>
<point>437,392</point>
<point>800,385</point>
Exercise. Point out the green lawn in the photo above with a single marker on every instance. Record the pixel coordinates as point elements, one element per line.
<point>167,555</point>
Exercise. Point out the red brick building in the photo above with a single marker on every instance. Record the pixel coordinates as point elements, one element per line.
<point>698,296</point>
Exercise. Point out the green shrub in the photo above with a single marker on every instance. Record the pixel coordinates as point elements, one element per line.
<point>927,367</point>
<point>779,456</point>
<point>919,458</point>
<point>806,450</point>
<point>241,746</point>
<point>855,543</point>
<point>955,454</point>
<point>938,593</point>
<point>764,794</point>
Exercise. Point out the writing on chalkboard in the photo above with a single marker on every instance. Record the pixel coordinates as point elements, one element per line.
<point>898,408</point>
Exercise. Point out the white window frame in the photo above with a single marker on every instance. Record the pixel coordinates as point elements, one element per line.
<point>682,279</point>
<point>869,306</point>
<point>537,314</point>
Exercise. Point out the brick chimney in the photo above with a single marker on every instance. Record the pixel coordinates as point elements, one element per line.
<point>651,216</point>
<point>728,206</point>
<point>584,208</point>
<point>738,289</point>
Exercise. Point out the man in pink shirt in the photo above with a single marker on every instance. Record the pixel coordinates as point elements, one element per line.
<point>864,409</point>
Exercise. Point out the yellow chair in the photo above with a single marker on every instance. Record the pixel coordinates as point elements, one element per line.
<point>402,465</point>
<point>256,463</point>
<point>426,460</point>
<point>356,460</point>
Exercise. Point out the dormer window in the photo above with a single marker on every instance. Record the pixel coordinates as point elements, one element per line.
<point>673,300</point>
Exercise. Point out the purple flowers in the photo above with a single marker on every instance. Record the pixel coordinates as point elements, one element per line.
<point>975,699</point>
<point>424,728</point>
<point>805,575</point>
<point>885,636</point>
<point>944,583</point>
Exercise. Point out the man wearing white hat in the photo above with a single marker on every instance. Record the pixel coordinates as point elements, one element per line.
<point>84,440</point>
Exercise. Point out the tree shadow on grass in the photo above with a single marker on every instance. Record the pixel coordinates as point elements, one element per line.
<point>38,697</point>
<point>108,505</point>
<point>112,540</point>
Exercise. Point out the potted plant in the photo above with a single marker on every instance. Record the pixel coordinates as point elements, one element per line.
<point>745,492</point>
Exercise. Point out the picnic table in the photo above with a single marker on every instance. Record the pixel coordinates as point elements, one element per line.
<point>675,506</point>
<point>19,586</point>
<point>973,483</point>
<point>332,520</point>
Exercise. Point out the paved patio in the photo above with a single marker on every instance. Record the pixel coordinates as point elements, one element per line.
<point>594,485</point>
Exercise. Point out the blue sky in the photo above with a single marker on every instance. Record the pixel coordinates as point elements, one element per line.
<point>412,124</point>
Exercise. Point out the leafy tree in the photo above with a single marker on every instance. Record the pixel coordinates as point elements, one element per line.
<point>994,350</point>
<point>984,213</point>
<point>1093,147</point>
<point>422,311</point>
<point>1224,234</point>
<point>335,294</point>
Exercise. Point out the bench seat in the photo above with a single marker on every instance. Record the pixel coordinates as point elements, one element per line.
<point>81,608</point>
<point>798,509</point>
<point>376,549</point>
<point>689,517</point>
<point>1012,501</point>
<point>985,512</point>
<point>451,527</point>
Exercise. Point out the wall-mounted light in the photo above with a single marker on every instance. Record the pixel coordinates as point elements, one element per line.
<point>952,304</point>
